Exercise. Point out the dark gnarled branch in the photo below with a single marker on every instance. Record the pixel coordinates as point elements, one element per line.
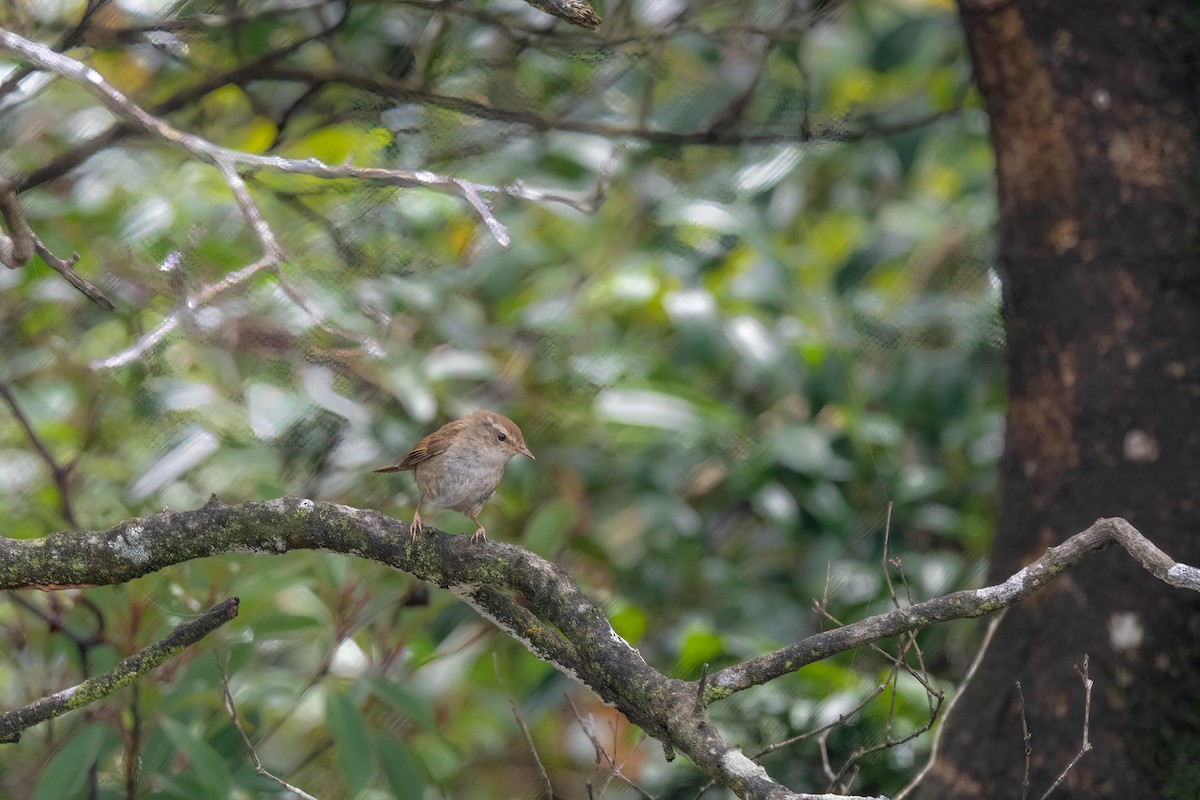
<point>556,620</point>
<point>122,675</point>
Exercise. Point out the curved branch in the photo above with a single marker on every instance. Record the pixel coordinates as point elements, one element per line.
<point>141,121</point>
<point>120,676</point>
<point>561,624</point>
<point>959,605</point>
<point>576,12</point>
<point>556,620</point>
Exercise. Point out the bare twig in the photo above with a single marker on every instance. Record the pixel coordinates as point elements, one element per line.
<point>1086,746</point>
<point>935,748</point>
<point>576,12</point>
<point>700,688</point>
<point>125,673</point>
<point>19,244</point>
<point>66,268</point>
<point>711,135</point>
<point>537,760</point>
<point>60,473</point>
<point>201,298</point>
<point>231,710</point>
<point>935,698</point>
<point>226,160</point>
<point>1027,738</point>
<point>964,604</point>
<point>589,730</point>
<point>16,245</point>
<point>69,40</point>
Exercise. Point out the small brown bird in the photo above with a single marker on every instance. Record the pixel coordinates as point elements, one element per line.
<point>460,464</point>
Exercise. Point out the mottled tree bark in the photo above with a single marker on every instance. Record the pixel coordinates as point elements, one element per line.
<point>1095,121</point>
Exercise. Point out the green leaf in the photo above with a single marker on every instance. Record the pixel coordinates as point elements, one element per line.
<point>401,769</point>
<point>698,645</point>
<point>407,703</point>
<point>629,622</point>
<point>802,448</point>
<point>349,731</point>
<point>547,530</point>
<point>204,763</point>
<point>65,774</point>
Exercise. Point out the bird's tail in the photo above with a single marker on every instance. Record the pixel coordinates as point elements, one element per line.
<point>393,468</point>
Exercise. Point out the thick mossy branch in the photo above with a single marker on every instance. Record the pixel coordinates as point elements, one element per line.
<point>561,625</point>
<point>122,675</point>
<point>557,621</point>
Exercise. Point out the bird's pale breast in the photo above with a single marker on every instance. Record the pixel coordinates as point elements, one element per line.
<point>459,480</point>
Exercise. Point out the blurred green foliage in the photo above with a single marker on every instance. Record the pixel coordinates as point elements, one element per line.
<point>726,373</point>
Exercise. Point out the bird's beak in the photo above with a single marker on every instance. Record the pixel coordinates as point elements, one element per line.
<point>525,452</point>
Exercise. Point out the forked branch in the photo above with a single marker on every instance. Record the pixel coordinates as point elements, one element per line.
<point>555,620</point>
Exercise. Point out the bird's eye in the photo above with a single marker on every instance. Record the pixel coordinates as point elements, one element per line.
<point>502,437</point>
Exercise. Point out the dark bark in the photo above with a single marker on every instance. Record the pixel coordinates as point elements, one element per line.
<point>555,619</point>
<point>1095,119</point>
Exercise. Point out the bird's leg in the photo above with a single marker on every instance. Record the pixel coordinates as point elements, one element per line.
<point>416,526</point>
<point>480,535</point>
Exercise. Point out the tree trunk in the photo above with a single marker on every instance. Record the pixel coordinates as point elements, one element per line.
<point>1095,119</point>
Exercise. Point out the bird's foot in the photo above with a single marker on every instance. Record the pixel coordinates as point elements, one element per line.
<point>479,535</point>
<point>416,527</point>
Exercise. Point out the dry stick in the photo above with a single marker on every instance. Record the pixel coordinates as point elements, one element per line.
<point>16,246</point>
<point>66,268</point>
<point>1086,746</point>
<point>590,732</point>
<point>964,604</point>
<point>122,675</point>
<point>925,681</point>
<point>203,297</point>
<point>841,719</point>
<point>231,709</point>
<point>930,694</point>
<point>1027,738</point>
<point>72,38</point>
<point>61,474</point>
<point>708,136</point>
<point>889,742</point>
<point>225,159</point>
<point>962,688</point>
<point>19,244</point>
<point>576,12</point>
<point>524,730</point>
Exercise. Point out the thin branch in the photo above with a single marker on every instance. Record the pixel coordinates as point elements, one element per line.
<point>125,673</point>
<point>231,710</point>
<point>935,748</point>
<point>192,302</point>
<point>224,158</point>
<point>238,76</point>
<point>839,130</point>
<point>1086,746</point>
<point>966,604</point>
<point>537,760</point>
<point>16,245</point>
<point>69,40</point>
<point>66,268</point>
<point>19,244</point>
<point>589,730</point>
<point>576,12</point>
<point>60,473</point>
<point>1027,739</point>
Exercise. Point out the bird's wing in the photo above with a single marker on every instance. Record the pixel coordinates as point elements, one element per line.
<point>432,445</point>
